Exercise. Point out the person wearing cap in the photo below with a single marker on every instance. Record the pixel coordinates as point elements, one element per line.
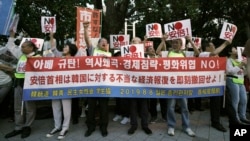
<point>102,49</point>
<point>24,120</point>
<point>62,107</point>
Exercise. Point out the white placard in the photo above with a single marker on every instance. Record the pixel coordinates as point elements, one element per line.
<point>48,24</point>
<point>228,31</point>
<point>239,52</point>
<point>116,41</point>
<point>133,51</point>
<point>178,29</point>
<point>153,30</point>
<point>37,41</point>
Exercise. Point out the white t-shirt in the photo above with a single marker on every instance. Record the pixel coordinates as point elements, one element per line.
<point>204,54</point>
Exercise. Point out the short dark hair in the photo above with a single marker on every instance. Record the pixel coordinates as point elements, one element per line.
<point>101,39</point>
<point>204,44</point>
<point>72,49</point>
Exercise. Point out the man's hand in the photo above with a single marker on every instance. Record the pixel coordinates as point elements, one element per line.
<point>189,38</point>
<point>228,42</point>
<point>86,24</point>
<point>12,33</point>
<point>51,35</point>
<point>164,36</point>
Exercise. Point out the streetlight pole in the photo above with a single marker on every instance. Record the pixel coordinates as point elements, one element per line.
<point>126,29</point>
<point>135,22</point>
<point>126,26</point>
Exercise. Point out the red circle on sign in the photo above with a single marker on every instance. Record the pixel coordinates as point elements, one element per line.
<point>155,27</point>
<point>196,40</point>
<point>178,25</point>
<point>234,29</point>
<point>132,49</point>
<point>120,38</point>
<point>52,20</point>
<point>33,40</point>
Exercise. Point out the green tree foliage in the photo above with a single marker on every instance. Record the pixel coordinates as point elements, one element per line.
<point>65,11</point>
<point>207,16</point>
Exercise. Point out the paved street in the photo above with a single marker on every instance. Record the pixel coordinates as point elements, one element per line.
<point>200,123</point>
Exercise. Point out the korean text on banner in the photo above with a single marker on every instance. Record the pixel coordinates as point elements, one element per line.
<point>95,76</point>
<point>94,17</point>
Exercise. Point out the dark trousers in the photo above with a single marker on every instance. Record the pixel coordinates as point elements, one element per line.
<point>139,105</point>
<point>215,109</point>
<point>122,107</point>
<point>194,103</point>
<point>232,116</point>
<point>93,104</point>
<point>153,106</point>
<point>75,109</point>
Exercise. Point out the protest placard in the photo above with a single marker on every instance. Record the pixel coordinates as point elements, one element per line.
<point>48,24</point>
<point>178,29</point>
<point>228,31</point>
<point>133,51</point>
<point>37,41</point>
<point>116,41</point>
<point>153,30</point>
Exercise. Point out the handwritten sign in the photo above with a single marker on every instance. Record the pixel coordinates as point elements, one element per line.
<point>94,17</point>
<point>228,31</point>
<point>37,41</point>
<point>133,51</point>
<point>178,29</point>
<point>48,24</point>
<point>153,30</point>
<point>116,41</point>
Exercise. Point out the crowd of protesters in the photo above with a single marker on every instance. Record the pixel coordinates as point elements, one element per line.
<point>65,110</point>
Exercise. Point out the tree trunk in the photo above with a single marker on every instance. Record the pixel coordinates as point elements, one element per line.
<point>114,18</point>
